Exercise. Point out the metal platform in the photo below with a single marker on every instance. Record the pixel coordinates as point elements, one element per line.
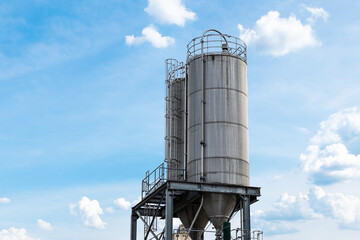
<point>171,196</point>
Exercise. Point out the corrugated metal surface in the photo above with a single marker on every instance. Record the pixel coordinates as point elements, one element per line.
<point>226,156</point>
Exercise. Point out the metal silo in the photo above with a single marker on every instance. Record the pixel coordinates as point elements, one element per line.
<point>206,175</point>
<point>217,120</point>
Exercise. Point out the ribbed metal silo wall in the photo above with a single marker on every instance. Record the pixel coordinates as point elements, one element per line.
<point>226,156</point>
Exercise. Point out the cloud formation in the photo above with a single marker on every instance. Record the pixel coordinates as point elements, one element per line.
<point>317,13</point>
<point>344,208</point>
<point>291,208</point>
<point>278,36</point>
<point>151,35</point>
<point>90,212</point>
<point>342,126</point>
<point>271,228</point>
<point>44,225</point>
<point>122,203</point>
<point>316,204</point>
<point>287,209</point>
<point>327,159</point>
<point>5,200</point>
<point>169,11</point>
<point>15,234</point>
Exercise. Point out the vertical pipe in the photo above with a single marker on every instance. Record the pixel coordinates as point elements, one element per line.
<point>203,144</point>
<point>175,120</point>
<point>185,123</point>
<point>133,226</point>
<point>241,215</point>
<point>246,218</point>
<point>167,111</point>
<point>202,112</point>
<point>168,215</point>
<point>170,162</point>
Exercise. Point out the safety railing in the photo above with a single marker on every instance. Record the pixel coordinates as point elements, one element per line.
<point>153,180</point>
<point>255,234</point>
<point>216,43</point>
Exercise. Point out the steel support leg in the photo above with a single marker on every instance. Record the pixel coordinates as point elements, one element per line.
<point>133,225</point>
<point>169,215</point>
<point>246,218</point>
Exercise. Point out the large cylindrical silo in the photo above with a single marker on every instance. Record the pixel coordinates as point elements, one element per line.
<point>217,133</point>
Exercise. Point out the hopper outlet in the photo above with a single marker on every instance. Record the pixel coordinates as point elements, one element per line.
<point>218,207</point>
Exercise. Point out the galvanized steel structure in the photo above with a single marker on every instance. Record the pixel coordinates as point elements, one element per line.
<point>206,177</point>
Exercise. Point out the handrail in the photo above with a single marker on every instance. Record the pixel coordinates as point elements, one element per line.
<point>216,43</point>
<point>153,180</point>
<point>254,234</point>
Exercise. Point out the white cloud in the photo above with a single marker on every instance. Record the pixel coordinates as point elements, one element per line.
<point>317,13</point>
<point>291,208</point>
<point>343,208</point>
<point>327,158</point>
<point>278,36</point>
<point>15,234</point>
<point>331,164</point>
<point>151,35</point>
<point>122,203</point>
<point>339,127</point>
<point>287,209</point>
<point>170,11</point>
<point>44,225</point>
<point>314,205</point>
<point>270,228</point>
<point>5,200</point>
<point>90,212</point>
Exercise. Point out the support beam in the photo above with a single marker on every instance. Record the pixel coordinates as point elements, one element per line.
<point>147,226</point>
<point>133,225</point>
<point>246,218</point>
<point>213,188</point>
<point>169,215</point>
<point>151,212</point>
<point>154,216</point>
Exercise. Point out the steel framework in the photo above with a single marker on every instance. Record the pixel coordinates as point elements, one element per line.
<point>171,196</point>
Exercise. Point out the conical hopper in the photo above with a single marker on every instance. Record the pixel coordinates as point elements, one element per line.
<point>218,208</point>
<point>187,215</point>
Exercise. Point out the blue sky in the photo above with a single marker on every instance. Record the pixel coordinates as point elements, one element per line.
<point>82,111</point>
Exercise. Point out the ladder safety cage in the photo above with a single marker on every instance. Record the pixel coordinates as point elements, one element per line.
<point>175,112</point>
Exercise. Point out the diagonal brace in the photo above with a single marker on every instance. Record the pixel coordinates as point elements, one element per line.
<point>156,213</point>
<point>146,225</point>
